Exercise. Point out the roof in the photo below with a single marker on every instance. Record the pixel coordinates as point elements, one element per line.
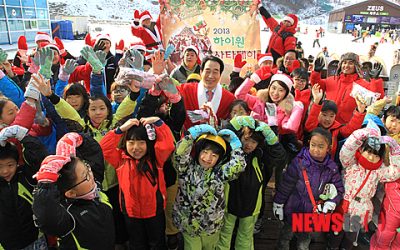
<point>394,5</point>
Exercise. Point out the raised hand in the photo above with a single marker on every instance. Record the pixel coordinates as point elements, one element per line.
<point>14,131</point>
<point>46,56</point>
<point>168,51</point>
<point>50,167</point>
<point>42,85</point>
<point>317,93</point>
<point>167,85</point>
<point>158,63</point>
<point>238,122</point>
<point>198,130</point>
<point>238,63</point>
<point>133,59</point>
<point>269,135</point>
<point>128,124</point>
<point>319,64</point>
<point>261,74</point>
<point>231,137</point>
<point>67,69</point>
<point>90,56</point>
<point>119,47</point>
<point>376,70</point>
<point>67,145</point>
<point>99,46</point>
<point>3,56</point>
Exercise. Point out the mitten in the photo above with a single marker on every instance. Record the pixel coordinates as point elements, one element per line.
<point>238,63</point>
<point>261,74</point>
<point>14,131</point>
<point>50,167</point>
<point>60,46</point>
<point>67,145</point>
<point>46,61</point>
<point>239,122</point>
<point>277,210</point>
<point>198,130</point>
<point>3,56</point>
<point>271,113</point>
<point>168,51</point>
<point>231,137</point>
<point>119,47</point>
<point>319,64</point>
<point>269,135</point>
<point>169,88</point>
<point>198,115</point>
<point>67,69</point>
<point>151,132</point>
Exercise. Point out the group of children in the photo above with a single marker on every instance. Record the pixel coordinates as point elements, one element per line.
<point>97,174</point>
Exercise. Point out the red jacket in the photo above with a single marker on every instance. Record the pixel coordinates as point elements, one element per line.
<point>190,99</point>
<point>303,96</point>
<point>344,130</point>
<point>139,194</point>
<point>82,72</point>
<point>338,89</point>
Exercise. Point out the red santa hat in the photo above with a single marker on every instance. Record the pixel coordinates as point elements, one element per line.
<point>138,44</point>
<point>192,47</point>
<point>50,45</point>
<point>282,78</point>
<point>42,36</point>
<point>264,57</point>
<point>102,37</point>
<point>145,15</point>
<point>291,18</point>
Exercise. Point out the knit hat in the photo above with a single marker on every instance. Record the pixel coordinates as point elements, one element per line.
<point>192,47</point>
<point>102,37</point>
<point>145,15</point>
<point>264,57</point>
<point>283,78</point>
<point>42,36</point>
<point>291,18</point>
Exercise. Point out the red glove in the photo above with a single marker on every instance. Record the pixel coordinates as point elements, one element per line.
<point>22,45</point>
<point>49,168</point>
<point>119,47</point>
<point>88,40</point>
<point>296,64</point>
<point>67,145</point>
<point>136,16</point>
<point>60,45</point>
<point>238,64</point>
<point>261,74</point>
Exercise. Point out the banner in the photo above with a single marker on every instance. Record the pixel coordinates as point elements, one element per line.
<point>221,28</point>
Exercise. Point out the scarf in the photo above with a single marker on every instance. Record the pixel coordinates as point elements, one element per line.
<point>366,163</point>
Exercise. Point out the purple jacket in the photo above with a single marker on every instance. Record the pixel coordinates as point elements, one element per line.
<point>292,190</point>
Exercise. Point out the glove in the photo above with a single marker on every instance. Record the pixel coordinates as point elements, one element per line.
<point>46,61</point>
<point>32,92</point>
<point>34,65</point>
<point>67,145</point>
<point>329,207</point>
<point>296,64</point>
<point>261,74</point>
<point>269,135</point>
<point>394,146</point>
<point>198,130</point>
<point>60,45</point>
<point>264,12</point>
<point>14,131</point>
<point>168,51</point>
<point>319,64</point>
<point>197,115</point>
<point>134,59</point>
<point>169,89</point>
<point>277,209</point>
<point>22,45</point>
<point>119,47</point>
<point>101,55</point>
<point>271,113</point>
<point>66,70</point>
<point>49,168</point>
<point>243,121</point>
<point>90,56</point>
<point>40,118</point>
<point>99,46</point>
<point>375,71</point>
<point>88,40</point>
<point>144,79</point>
<point>3,56</point>
<point>238,63</point>
<point>231,137</point>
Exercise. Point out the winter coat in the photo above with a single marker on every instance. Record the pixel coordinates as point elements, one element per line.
<point>338,89</point>
<point>289,111</point>
<point>182,72</point>
<point>277,45</point>
<point>355,174</point>
<point>11,90</point>
<point>200,203</point>
<point>152,40</point>
<point>292,190</point>
<point>17,229</point>
<point>138,196</point>
<point>303,96</point>
<point>339,131</point>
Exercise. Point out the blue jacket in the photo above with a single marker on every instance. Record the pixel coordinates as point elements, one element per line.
<point>11,90</point>
<point>292,190</point>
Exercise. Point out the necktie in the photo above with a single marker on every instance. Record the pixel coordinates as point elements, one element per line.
<point>210,95</point>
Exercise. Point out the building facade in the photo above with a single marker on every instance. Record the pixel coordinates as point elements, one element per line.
<point>23,17</point>
<point>372,15</point>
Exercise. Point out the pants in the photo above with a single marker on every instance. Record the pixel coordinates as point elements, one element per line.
<point>146,233</point>
<point>121,234</point>
<point>39,244</point>
<point>171,194</point>
<point>344,240</point>
<point>286,234</point>
<point>202,242</point>
<point>386,236</point>
<point>316,41</point>
<point>244,237</point>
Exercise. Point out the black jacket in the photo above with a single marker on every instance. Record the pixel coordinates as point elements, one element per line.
<point>17,229</point>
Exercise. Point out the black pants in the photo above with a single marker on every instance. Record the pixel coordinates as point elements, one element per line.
<point>146,234</point>
<point>344,240</point>
<point>121,234</point>
<point>316,41</point>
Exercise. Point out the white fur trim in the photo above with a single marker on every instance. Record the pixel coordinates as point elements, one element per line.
<point>283,78</point>
<point>196,50</point>
<point>255,78</point>
<point>144,17</point>
<point>138,47</point>
<point>236,69</point>
<point>289,19</point>
<point>53,47</point>
<point>45,37</point>
<point>202,98</point>
<point>265,58</point>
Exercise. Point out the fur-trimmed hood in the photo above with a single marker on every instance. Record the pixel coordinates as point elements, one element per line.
<point>286,104</point>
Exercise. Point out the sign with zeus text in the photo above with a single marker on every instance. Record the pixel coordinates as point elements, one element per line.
<point>220,28</point>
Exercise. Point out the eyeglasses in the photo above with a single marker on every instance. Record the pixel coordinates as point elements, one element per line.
<point>300,80</point>
<point>119,91</point>
<point>87,176</point>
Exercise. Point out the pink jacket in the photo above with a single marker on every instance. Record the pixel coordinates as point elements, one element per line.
<point>288,119</point>
<point>355,174</point>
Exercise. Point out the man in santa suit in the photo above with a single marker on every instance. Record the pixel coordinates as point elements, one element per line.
<point>149,31</point>
<point>208,90</point>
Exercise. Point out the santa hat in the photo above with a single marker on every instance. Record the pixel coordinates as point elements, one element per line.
<point>50,45</point>
<point>102,37</point>
<point>192,47</point>
<point>283,78</point>
<point>42,36</point>
<point>144,15</point>
<point>291,18</point>
<point>264,57</point>
<point>138,44</point>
